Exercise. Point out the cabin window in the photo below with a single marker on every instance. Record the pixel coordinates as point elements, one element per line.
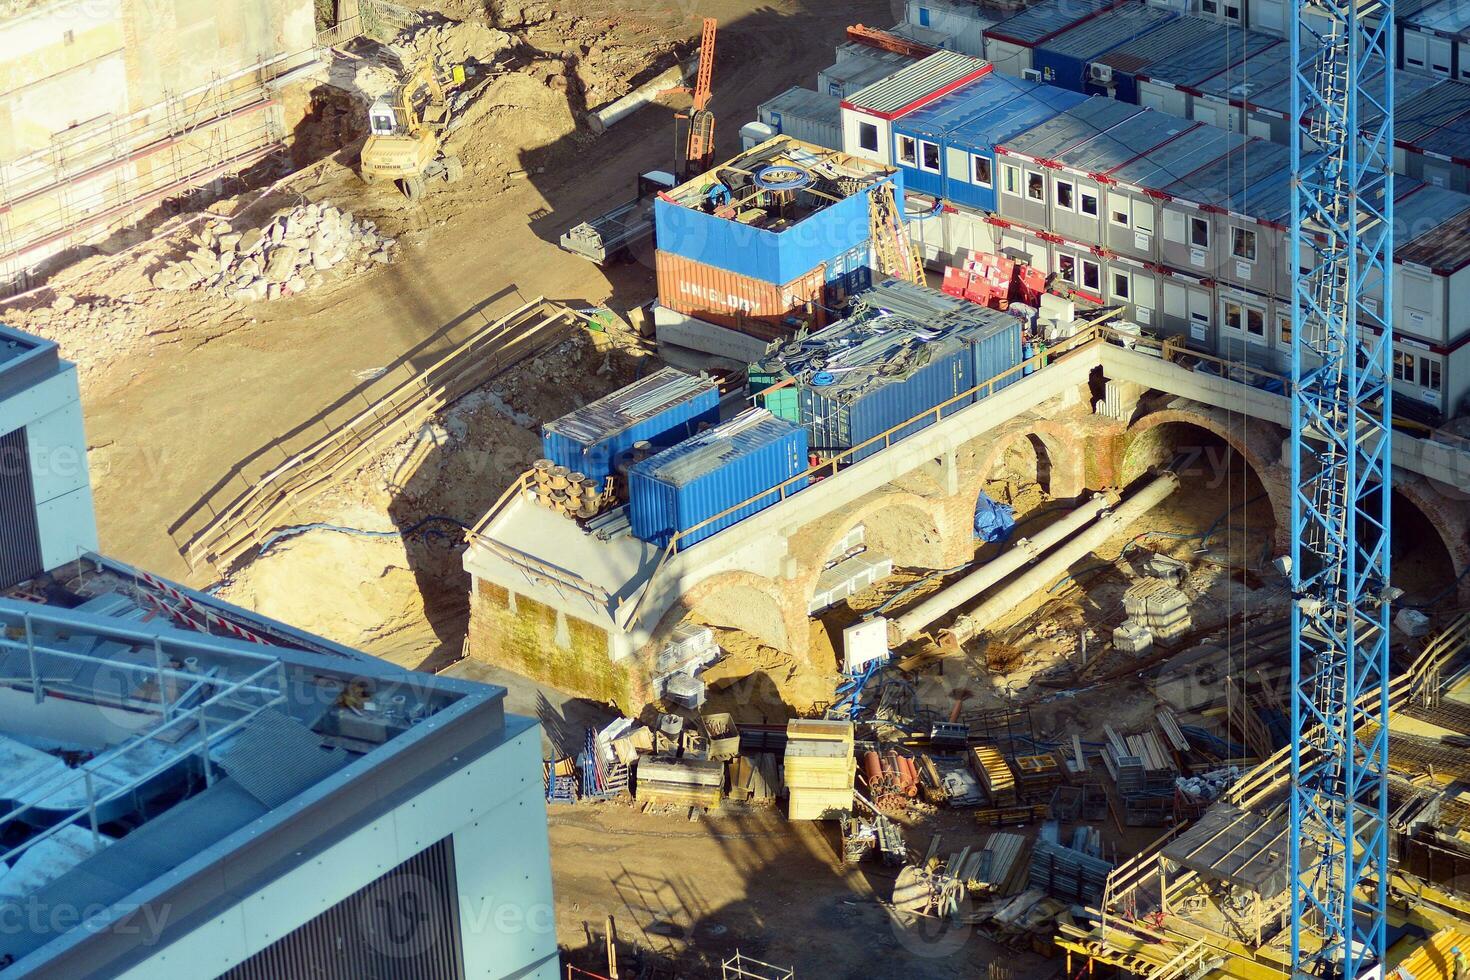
<point>868,137</point>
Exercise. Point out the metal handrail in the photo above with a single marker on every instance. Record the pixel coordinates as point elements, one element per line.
<point>90,769</point>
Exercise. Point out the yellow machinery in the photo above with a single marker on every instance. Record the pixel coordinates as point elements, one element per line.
<point>405,143</point>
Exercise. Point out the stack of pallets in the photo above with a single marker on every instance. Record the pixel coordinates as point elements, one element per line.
<point>819,768</point>
<point>681,782</point>
<point>995,775</point>
<point>1037,776</point>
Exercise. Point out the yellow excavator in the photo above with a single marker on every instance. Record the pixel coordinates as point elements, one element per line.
<point>406,132</point>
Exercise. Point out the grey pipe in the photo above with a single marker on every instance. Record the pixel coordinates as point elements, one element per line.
<point>1035,579</point>
<point>1024,551</point>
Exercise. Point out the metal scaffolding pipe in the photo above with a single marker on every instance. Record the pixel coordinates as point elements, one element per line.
<point>1023,552</point>
<point>1036,578</point>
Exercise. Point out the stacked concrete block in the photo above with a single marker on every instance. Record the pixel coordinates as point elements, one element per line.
<point>1160,607</point>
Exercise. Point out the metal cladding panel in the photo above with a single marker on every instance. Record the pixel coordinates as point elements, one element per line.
<point>364,935</point>
<point>662,409</point>
<point>751,306</point>
<point>1101,34</point>
<point>924,182</point>
<point>836,423</point>
<point>757,253</point>
<point>688,484</point>
<point>812,117</point>
<point>20,539</point>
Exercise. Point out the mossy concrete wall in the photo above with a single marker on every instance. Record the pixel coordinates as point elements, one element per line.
<point>548,646</point>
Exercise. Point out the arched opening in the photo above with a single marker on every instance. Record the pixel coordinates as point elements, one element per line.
<point>1025,460</point>
<point>1222,507</point>
<point>743,607</point>
<point>1421,561</point>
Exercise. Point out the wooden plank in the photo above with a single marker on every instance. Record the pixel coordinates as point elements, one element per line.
<point>243,524</point>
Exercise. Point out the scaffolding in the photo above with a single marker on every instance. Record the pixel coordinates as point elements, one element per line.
<point>99,175</point>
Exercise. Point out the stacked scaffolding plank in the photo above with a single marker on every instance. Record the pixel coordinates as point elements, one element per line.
<point>995,774</point>
<point>820,766</point>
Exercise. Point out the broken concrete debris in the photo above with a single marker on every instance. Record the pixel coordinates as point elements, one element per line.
<point>287,256</point>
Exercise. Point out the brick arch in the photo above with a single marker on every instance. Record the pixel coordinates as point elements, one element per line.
<point>931,550</point>
<point>1448,516</point>
<point>1065,451</point>
<point>754,604</point>
<point>1259,447</point>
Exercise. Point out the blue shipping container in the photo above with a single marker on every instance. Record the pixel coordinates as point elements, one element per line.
<point>686,485</point>
<point>995,349</point>
<point>662,409</point>
<point>773,256</point>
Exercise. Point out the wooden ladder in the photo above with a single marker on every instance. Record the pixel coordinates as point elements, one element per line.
<point>896,253</point>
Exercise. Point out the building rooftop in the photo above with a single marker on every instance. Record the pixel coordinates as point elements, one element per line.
<point>24,360</point>
<point>163,747</point>
<point>1097,35</point>
<point>1450,18</point>
<point>1167,163</point>
<point>1434,225</point>
<point>1181,34</point>
<point>990,110</point>
<point>1214,51</point>
<point>1076,127</point>
<point>1139,134</point>
<point>1252,180</point>
<point>918,84</point>
<point>808,178</point>
<point>1048,19</point>
<point>1436,119</point>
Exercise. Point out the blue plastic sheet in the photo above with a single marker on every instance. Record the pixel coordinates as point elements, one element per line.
<point>994,521</point>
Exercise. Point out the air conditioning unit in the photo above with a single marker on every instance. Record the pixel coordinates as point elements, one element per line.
<point>1031,74</point>
<point>1100,73</point>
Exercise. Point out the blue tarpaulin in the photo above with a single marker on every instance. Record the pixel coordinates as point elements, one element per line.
<point>993,520</point>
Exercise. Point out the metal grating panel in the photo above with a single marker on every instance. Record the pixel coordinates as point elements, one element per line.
<point>403,926</point>
<point>20,540</point>
<point>275,757</point>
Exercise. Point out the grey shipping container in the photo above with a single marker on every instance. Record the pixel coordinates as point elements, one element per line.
<point>683,487</point>
<point>906,350</point>
<point>812,117</point>
<point>661,409</point>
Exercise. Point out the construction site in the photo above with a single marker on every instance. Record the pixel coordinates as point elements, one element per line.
<point>735,490</point>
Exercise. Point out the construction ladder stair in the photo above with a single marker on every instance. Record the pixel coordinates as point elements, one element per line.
<point>896,253</point>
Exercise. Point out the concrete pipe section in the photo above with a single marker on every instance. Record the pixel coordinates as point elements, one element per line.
<point>1023,552</point>
<point>978,617</point>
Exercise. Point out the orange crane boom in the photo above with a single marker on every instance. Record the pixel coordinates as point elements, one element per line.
<point>699,144</point>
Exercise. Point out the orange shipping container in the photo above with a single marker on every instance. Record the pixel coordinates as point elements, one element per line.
<point>751,306</point>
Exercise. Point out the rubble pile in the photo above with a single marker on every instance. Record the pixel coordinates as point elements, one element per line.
<point>286,256</point>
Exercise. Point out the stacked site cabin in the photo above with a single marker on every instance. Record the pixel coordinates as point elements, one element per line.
<point>661,409</point>
<point>1181,223</point>
<point>800,113</point>
<point>765,243</point>
<point>1010,45</point>
<point>1067,58</point>
<point>693,489</point>
<point>947,148</point>
<point>858,66</point>
<point>907,353</point>
<point>868,115</point>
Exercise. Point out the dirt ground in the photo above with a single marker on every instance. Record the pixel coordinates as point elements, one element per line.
<point>180,389</point>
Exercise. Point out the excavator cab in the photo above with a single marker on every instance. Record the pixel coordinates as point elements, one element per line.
<point>382,120</point>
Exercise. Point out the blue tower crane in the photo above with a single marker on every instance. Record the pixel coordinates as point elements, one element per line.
<point>1342,55</point>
